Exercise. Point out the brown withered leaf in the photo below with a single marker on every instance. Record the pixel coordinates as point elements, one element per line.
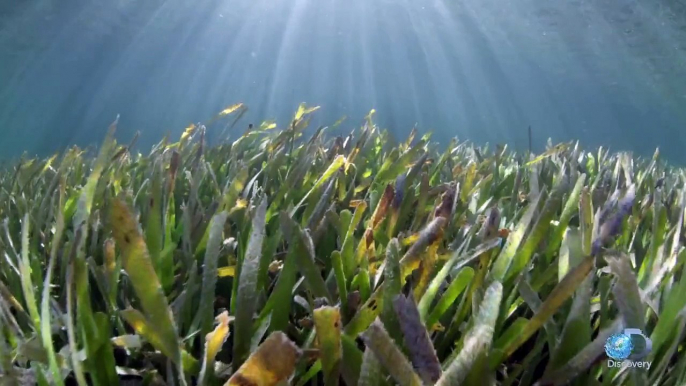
<point>273,362</point>
<point>445,208</point>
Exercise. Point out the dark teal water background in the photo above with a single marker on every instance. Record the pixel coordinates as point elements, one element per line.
<point>609,73</point>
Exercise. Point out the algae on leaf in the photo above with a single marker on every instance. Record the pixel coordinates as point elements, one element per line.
<point>136,262</point>
<point>327,321</point>
<point>247,286</point>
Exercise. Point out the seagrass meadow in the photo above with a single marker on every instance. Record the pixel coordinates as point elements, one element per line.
<point>284,258</point>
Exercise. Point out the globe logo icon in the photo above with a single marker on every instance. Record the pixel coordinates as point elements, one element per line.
<point>619,346</point>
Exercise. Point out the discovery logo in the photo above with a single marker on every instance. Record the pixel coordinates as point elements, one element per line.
<point>627,348</point>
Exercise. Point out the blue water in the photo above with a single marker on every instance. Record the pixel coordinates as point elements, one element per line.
<point>605,73</point>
